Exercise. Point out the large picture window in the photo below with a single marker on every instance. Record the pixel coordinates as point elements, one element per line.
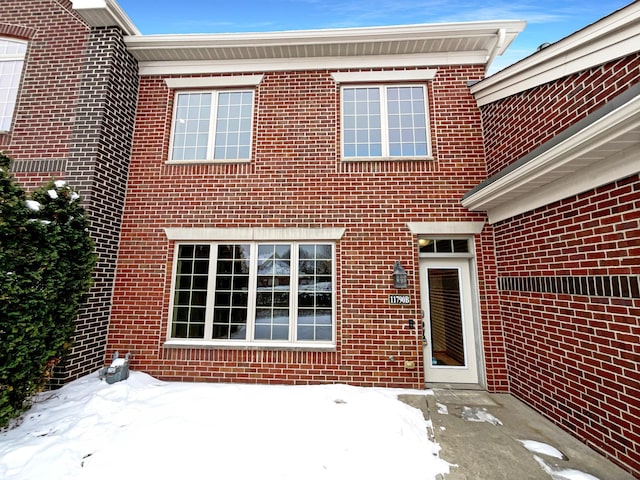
<point>384,121</point>
<point>11,62</point>
<point>262,293</point>
<point>212,125</point>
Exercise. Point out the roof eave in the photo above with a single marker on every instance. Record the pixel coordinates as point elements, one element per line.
<point>105,13</point>
<point>612,37</point>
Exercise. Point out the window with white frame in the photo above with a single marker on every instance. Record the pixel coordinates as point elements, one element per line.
<point>212,125</point>
<point>257,293</point>
<point>12,54</point>
<point>384,121</point>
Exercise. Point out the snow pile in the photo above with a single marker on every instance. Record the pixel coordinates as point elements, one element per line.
<point>543,448</point>
<point>145,428</point>
<point>475,414</point>
<point>559,473</point>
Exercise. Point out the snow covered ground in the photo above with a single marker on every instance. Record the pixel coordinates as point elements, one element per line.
<point>148,429</point>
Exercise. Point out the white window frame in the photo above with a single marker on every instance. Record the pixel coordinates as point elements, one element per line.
<point>292,341</point>
<point>383,87</point>
<point>10,103</point>
<point>215,92</point>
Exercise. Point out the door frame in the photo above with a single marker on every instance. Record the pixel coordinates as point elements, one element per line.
<point>476,330</point>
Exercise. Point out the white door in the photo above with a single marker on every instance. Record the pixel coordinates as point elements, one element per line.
<point>448,334</point>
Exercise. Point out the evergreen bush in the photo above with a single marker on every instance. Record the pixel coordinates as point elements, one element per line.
<point>46,264</point>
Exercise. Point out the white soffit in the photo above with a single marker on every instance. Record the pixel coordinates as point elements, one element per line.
<point>104,13</point>
<point>437,44</point>
<point>614,36</point>
<point>600,153</point>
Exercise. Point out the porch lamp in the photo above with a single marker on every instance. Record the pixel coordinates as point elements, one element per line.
<point>399,276</point>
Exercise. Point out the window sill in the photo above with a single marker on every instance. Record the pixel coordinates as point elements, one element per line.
<point>317,347</point>
<point>387,159</point>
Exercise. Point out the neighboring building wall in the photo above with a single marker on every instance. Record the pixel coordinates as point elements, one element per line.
<point>570,300</point>
<point>537,115</point>
<point>74,120</point>
<point>296,179</point>
<point>569,274</point>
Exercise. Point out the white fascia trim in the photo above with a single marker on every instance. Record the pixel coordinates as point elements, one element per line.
<point>445,228</point>
<point>105,13</point>
<point>253,234</point>
<point>381,77</point>
<point>614,168</point>
<point>214,82</point>
<point>307,63</point>
<point>610,38</point>
<point>563,160</point>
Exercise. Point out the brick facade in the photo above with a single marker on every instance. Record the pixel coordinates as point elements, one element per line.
<point>296,179</point>
<point>74,120</point>
<point>568,274</point>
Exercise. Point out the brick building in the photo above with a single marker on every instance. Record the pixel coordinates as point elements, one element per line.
<point>67,112</point>
<point>562,142</point>
<point>350,205</point>
<point>275,181</point>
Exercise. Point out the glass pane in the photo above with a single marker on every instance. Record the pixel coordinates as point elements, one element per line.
<point>234,117</point>
<point>273,294</point>
<point>407,121</point>
<point>361,123</point>
<point>191,126</point>
<point>315,284</point>
<point>232,292</point>
<point>445,317</point>
<point>190,296</point>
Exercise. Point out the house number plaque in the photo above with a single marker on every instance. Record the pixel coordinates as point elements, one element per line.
<point>399,300</point>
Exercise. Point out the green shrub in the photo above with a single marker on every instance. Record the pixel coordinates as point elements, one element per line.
<point>46,262</point>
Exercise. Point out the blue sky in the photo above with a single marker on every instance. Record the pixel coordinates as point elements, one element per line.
<point>547,21</point>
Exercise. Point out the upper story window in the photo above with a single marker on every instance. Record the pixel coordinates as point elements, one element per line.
<point>212,125</point>
<point>12,54</point>
<point>384,121</point>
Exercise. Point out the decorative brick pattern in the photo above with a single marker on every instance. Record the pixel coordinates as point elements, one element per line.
<point>596,286</point>
<point>296,179</point>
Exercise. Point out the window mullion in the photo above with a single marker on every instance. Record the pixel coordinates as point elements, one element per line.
<point>211,292</point>
<point>384,121</point>
<point>213,117</point>
<point>252,293</point>
<point>293,295</point>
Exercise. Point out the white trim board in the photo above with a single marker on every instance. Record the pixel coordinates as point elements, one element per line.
<point>252,234</point>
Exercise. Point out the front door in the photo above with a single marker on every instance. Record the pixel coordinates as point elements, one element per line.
<point>448,334</point>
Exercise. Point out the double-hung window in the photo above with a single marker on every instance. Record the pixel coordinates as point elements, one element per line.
<point>12,54</point>
<point>254,293</point>
<point>384,121</point>
<point>212,125</point>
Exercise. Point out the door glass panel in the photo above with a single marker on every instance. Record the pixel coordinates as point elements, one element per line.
<point>445,313</point>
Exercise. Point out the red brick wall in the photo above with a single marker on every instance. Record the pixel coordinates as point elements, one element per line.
<point>516,125</point>
<point>296,179</point>
<point>576,357</point>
